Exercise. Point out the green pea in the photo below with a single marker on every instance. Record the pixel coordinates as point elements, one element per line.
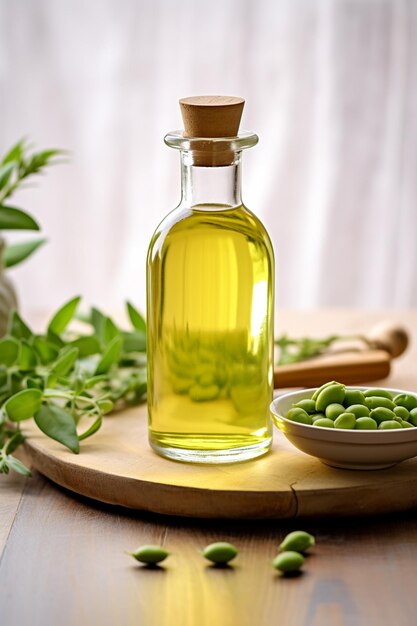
<point>150,555</point>
<point>353,396</point>
<point>316,393</point>
<point>198,393</point>
<point>324,422</point>
<point>309,406</point>
<point>346,420</point>
<point>405,424</point>
<point>407,400</point>
<point>299,415</point>
<point>373,402</point>
<point>317,416</point>
<point>288,561</point>
<point>366,423</point>
<point>206,380</point>
<point>181,385</point>
<point>412,417</point>
<point>329,395</point>
<point>220,552</point>
<point>297,541</point>
<point>389,424</point>
<point>402,412</point>
<point>380,393</point>
<point>358,410</point>
<point>334,410</point>
<point>381,414</point>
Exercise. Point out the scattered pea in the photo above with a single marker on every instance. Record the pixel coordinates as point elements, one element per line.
<point>406,400</point>
<point>324,422</point>
<point>374,402</point>
<point>309,406</point>
<point>297,541</point>
<point>220,552</point>
<point>150,554</point>
<point>365,423</point>
<point>346,420</point>
<point>288,562</point>
<point>299,415</point>
<point>380,393</point>
<point>358,410</point>
<point>389,424</point>
<point>334,410</point>
<point>381,414</point>
<point>402,412</point>
<point>353,396</point>
<point>329,395</point>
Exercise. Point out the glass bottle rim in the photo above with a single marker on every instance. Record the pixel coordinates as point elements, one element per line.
<point>244,139</point>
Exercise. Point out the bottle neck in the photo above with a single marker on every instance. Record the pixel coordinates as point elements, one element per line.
<point>203,187</point>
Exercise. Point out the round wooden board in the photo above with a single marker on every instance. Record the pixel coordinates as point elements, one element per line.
<point>118,467</point>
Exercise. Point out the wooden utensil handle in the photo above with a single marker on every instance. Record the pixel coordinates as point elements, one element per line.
<point>348,368</point>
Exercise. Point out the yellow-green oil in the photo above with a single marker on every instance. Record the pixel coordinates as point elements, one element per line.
<point>210,335</point>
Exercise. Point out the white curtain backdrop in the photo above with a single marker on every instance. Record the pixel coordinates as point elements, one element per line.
<point>330,87</point>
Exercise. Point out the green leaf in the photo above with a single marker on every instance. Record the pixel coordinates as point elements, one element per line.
<point>35,382</point>
<point>15,153</point>
<point>58,424</point>
<point>95,380</point>
<point>23,405</point>
<point>63,316</point>
<point>98,320</point>
<point>5,173</point>
<point>9,351</point>
<point>17,252</point>
<point>87,345</point>
<point>134,342</point>
<point>28,359</point>
<point>110,330</point>
<point>93,429</point>
<point>110,356</point>
<point>55,340</point>
<point>18,466</point>
<point>65,362</point>
<point>105,405</point>
<point>14,442</point>
<point>38,160</point>
<point>136,318</point>
<point>46,350</point>
<point>17,327</point>
<point>16,219</point>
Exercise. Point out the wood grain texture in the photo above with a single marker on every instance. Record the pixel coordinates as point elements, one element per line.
<point>117,466</point>
<point>65,564</point>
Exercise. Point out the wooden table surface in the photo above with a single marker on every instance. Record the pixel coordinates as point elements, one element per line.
<point>62,560</point>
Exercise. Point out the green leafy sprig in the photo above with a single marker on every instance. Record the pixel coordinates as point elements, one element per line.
<point>292,350</point>
<point>17,166</point>
<point>62,376</point>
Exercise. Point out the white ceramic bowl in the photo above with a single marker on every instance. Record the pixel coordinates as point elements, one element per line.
<point>349,449</point>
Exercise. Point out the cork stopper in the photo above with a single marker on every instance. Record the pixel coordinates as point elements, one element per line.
<point>211,117</point>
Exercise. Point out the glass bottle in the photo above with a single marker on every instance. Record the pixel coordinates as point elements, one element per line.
<point>210,293</point>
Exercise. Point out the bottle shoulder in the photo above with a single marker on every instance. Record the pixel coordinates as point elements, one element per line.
<point>184,221</point>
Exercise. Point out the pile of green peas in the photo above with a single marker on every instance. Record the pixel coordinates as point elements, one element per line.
<point>290,558</point>
<point>334,406</point>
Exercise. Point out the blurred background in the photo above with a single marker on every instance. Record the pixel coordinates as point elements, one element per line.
<point>330,87</point>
